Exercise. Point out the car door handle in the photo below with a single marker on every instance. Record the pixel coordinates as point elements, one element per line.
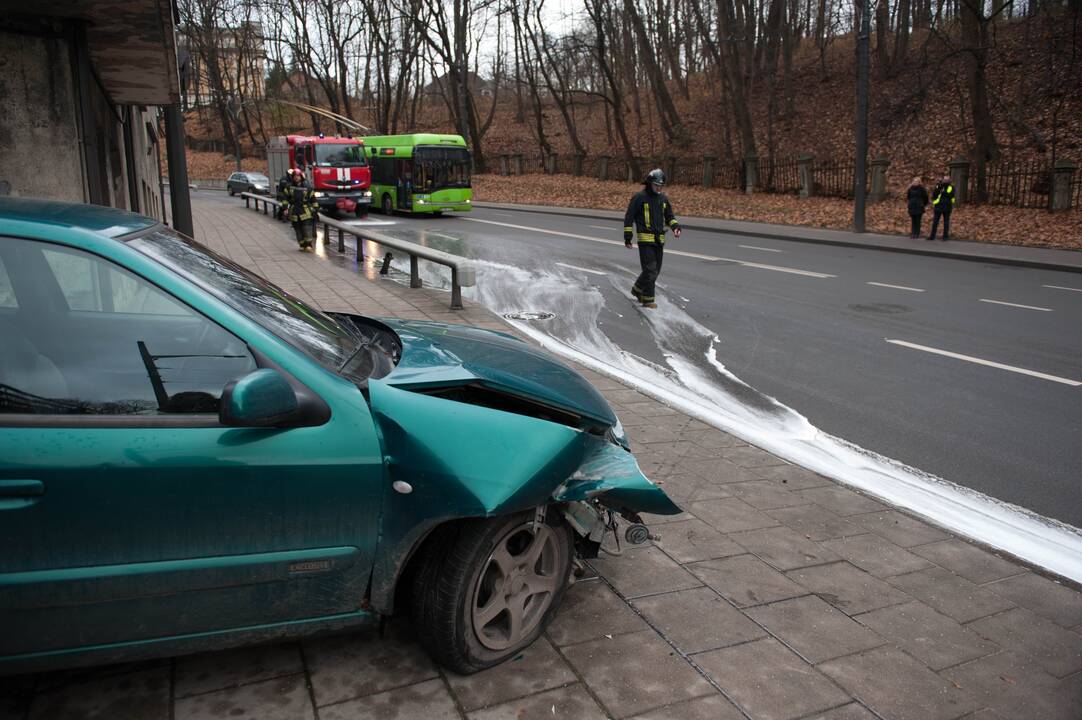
<point>20,493</point>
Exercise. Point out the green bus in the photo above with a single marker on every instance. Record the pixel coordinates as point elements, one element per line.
<point>419,173</point>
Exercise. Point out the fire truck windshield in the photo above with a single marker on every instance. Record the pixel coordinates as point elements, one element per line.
<point>336,155</point>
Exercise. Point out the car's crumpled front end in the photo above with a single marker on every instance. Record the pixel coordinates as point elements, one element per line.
<point>479,424</point>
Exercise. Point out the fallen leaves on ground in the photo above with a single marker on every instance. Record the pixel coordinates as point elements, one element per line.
<point>983,223</point>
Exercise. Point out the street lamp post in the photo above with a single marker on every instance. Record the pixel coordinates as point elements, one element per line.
<point>860,170</point>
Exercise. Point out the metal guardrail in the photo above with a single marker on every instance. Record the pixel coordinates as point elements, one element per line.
<point>462,272</point>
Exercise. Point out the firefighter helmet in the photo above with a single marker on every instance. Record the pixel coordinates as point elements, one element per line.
<point>655,177</point>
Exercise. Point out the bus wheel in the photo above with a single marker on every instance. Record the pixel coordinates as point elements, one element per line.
<point>388,207</point>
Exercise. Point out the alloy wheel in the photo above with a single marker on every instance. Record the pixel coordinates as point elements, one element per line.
<point>517,585</point>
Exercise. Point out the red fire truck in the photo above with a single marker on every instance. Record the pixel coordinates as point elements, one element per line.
<point>335,166</point>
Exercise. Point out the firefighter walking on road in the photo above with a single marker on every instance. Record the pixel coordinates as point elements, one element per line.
<point>649,215</point>
<point>301,209</point>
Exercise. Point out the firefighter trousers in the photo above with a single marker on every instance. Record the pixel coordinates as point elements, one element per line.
<point>305,230</point>
<point>650,260</point>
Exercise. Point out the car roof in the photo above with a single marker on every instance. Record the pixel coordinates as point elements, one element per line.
<point>99,219</point>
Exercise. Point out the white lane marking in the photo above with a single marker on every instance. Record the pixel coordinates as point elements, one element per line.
<point>779,268</point>
<point>606,227</point>
<point>756,247</point>
<point>1060,287</point>
<point>1010,304</point>
<point>586,270</point>
<point>896,287</point>
<point>683,253</point>
<point>989,363</point>
<point>584,237</point>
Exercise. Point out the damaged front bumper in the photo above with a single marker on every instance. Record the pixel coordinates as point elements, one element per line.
<point>464,461</point>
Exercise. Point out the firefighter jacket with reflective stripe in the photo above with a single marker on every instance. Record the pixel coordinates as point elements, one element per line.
<point>301,202</point>
<point>943,197</point>
<point>648,216</point>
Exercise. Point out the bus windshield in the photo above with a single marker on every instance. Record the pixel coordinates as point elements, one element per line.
<point>441,167</point>
<point>338,155</point>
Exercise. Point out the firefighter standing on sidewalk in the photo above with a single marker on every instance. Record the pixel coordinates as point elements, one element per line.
<point>649,215</point>
<point>301,209</point>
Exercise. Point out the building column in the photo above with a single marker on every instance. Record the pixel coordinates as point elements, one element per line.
<point>179,198</point>
<point>84,115</point>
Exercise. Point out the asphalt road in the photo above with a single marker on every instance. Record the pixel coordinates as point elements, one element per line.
<point>813,325</point>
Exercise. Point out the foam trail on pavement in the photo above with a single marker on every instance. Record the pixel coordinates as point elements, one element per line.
<point>696,383</point>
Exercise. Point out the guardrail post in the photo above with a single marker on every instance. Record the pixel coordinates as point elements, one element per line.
<point>265,203</point>
<point>360,248</point>
<point>415,275</point>
<point>341,241</point>
<point>1062,179</point>
<point>456,290</point>
<point>246,199</point>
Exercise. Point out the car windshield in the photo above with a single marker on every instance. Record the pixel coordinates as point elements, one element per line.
<point>257,178</point>
<point>339,155</point>
<point>336,343</point>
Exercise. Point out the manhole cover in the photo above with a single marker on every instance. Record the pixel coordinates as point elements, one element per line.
<point>527,315</point>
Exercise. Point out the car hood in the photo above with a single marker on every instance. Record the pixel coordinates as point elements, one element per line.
<point>439,354</point>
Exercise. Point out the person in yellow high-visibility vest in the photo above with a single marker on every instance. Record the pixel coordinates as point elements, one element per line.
<point>649,215</point>
<point>942,204</point>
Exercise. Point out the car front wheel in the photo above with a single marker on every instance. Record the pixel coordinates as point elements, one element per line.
<point>489,588</point>
<point>231,192</point>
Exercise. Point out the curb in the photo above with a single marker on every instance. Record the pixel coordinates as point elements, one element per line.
<point>594,213</point>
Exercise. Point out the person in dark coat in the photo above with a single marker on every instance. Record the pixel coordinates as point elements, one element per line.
<point>916,198</point>
<point>942,204</point>
<point>649,215</point>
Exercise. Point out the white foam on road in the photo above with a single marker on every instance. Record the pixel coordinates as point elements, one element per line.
<point>698,384</point>
<point>716,396</point>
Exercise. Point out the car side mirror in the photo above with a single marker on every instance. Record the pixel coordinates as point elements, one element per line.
<point>262,398</point>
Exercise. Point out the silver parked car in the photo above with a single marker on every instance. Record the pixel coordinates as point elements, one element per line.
<point>248,182</point>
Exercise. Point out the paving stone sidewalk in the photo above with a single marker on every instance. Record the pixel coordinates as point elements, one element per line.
<point>778,594</point>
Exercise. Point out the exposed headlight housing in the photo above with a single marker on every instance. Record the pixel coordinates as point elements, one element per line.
<point>368,193</point>
<point>318,193</point>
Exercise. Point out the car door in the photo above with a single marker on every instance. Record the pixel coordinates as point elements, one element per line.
<point>127,512</point>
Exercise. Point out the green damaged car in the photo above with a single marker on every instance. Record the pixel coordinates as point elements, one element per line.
<point>191,459</point>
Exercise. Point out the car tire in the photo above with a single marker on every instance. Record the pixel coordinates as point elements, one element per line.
<point>488,588</point>
<point>388,206</point>
<point>231,192</point>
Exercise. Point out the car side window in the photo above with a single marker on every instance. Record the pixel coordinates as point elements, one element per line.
<point>96,339</point>
<point>7,293</point>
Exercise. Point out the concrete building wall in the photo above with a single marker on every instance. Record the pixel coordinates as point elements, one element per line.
<point>44,145</point>
<point>39,139</point>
